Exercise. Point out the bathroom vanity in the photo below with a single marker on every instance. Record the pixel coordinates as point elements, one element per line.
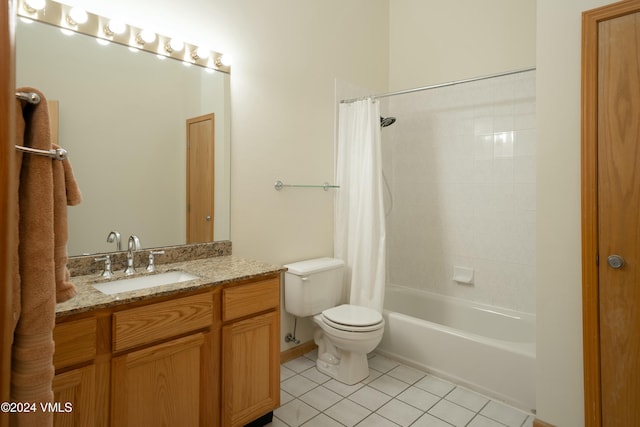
<point>202,352</point>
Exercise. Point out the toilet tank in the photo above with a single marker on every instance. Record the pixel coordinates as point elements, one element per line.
<point>313,285</point>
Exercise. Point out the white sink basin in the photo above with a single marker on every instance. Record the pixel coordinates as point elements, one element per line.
<point>143,282</point>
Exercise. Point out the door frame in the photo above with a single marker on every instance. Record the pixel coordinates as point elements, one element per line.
<point>7,202</point>
<point>589,191</point>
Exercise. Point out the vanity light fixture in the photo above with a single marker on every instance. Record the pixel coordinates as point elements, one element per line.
<point>32,6</point>
<point>77,16</point>
<point>70,19</point>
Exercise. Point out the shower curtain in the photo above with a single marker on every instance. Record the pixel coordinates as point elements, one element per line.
<point>359,234</point>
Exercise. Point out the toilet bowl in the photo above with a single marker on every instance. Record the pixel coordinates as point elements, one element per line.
<point>344,333</point>
<point>344,336</point>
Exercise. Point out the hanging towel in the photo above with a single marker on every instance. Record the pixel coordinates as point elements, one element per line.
<point>44,278</point>
<point>65,192</point>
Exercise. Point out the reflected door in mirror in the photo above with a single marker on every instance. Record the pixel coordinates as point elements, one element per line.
<point>200,178</point>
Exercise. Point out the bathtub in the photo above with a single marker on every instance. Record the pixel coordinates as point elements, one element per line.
<point>487,349</point>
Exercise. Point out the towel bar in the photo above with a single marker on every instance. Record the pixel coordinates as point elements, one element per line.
<point>30,97</point>
<point>57,154</point>
<point>279,185</point>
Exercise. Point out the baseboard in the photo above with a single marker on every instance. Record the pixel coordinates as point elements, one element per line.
<point>297,351</point>
<point>538,423</point>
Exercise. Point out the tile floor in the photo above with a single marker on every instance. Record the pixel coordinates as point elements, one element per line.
<point>393,395</point>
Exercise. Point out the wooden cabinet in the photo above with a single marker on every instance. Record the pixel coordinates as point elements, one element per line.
<point>159,385</point>
<point>206,358</point>
<point>74,389</point>
<point>75,393</point>
<point>165,383</point>
<point>250,351</point>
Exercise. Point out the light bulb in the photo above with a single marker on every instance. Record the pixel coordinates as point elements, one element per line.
<point>147,36</point>
<point>176,45</point>
<point>77,16</point>
<point>225,60</point>
<point>202,52</point>
<point>115,26</point>
<point>34,5</point>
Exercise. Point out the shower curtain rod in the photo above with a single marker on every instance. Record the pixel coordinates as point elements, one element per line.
<point>453,83</point>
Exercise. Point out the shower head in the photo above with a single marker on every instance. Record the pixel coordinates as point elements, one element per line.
<point>387,121</point>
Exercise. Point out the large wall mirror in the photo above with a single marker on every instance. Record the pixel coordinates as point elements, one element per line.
<point>123,118</point>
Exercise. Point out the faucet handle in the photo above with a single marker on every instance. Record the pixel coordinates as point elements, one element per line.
<point>152,266</point>
<point>107,266</point>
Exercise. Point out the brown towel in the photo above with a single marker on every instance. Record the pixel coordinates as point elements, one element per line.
<point>42,263</point>
<point>66,192</point>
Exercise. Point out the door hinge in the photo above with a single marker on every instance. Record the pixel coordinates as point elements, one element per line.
<point>597,260</point>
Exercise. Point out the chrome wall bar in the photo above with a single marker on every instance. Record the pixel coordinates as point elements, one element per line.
<point>435,86</point>
<point>56,154</point>
<point>30,97</point>
<point>279,185</point>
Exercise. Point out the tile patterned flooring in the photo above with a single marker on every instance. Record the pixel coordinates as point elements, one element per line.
<point>393,395</point>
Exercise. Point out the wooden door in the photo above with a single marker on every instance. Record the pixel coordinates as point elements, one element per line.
<point>200,178</point>
<point>611,214</point>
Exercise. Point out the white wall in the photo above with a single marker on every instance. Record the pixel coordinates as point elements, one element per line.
<point>559,320</point>
<point>434,41</point>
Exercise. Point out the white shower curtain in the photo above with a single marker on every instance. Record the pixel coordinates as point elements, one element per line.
<point>359,235</point>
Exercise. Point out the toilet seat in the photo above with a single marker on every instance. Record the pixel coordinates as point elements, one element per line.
<point>353,318</point>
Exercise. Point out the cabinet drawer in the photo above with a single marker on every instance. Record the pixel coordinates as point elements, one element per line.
<point>244,300</point>
<point>75,342</point>
<point>138,326</point>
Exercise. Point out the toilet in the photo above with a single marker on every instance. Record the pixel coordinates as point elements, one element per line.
<point>345,333</point>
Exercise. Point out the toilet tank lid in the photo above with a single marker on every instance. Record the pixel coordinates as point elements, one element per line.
<point>303,268</point>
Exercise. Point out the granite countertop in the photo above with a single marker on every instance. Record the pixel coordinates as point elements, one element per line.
<point>213,271</point>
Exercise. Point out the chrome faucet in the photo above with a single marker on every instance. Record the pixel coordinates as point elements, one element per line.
<point>133,245</point>
<point>115,236</point>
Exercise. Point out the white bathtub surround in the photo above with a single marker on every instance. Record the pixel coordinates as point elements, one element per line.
<point>460,162</point>
<point>359,236</point>
<point>486,348</point>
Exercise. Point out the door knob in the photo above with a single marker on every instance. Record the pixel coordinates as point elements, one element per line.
<point>207,218</point>
<point>615,261</point>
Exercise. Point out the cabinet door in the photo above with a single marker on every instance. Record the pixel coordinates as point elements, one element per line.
<point>159,385</point>
<point>250,369</point>
<point>75,392</point>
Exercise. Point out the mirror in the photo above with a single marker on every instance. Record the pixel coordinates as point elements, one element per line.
<point>122,118</point>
